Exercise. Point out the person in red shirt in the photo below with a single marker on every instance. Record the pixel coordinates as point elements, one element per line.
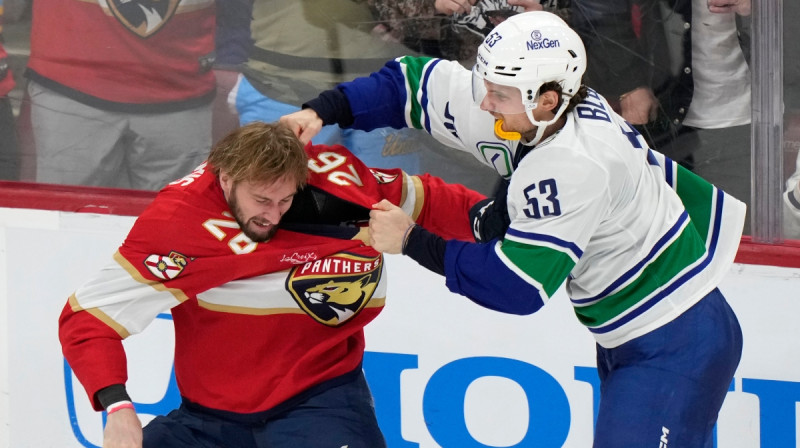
<point>120,91</point>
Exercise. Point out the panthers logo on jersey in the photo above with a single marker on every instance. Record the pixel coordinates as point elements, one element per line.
<point>334,289</point>
<point>383,177</point>
<point>143,17</point>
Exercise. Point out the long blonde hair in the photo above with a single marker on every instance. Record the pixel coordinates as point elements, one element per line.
<point>260,152</point>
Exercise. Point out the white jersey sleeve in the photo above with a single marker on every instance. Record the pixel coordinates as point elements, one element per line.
<point>432,95</point>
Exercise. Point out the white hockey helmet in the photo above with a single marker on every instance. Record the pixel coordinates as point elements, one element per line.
<point>526,51</point>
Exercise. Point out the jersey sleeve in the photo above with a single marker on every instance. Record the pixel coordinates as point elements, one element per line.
<point>162,263</point>
<point>116,302</point>
<point>93,350</point>
<point>552,217</point>
<point>445,208</point>
<point>415,92</point>
<point>378,100</point>
<point>438,206</point>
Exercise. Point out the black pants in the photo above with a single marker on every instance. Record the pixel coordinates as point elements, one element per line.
<point>343,416</point>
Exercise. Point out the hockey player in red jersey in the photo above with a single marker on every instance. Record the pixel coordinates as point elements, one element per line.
<point>260,256</point>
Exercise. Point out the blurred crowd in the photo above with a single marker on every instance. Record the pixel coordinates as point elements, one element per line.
<point>133,94</point>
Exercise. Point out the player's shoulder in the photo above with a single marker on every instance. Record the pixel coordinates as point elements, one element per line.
<point>434,71</point>
<point>568,164</point>
<point>562,161</point>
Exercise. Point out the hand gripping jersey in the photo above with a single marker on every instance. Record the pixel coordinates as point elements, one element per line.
<point>255,323</point>
<point>125,55</point>
<point>637,238</point>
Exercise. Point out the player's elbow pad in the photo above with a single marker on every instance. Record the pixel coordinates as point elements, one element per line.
<point>489,220</point>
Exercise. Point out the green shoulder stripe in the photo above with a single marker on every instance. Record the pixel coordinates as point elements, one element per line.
<point>697,195</point>
<point>413,67</point>
<point>547,266</point>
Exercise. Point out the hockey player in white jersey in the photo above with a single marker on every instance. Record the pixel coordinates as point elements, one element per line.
<point>641,242</point>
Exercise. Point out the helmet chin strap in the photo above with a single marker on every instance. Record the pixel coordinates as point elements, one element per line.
<point>541,126</point>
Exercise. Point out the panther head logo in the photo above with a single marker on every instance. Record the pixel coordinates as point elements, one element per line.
<point>343,294</point>
<point>143,17</point>
<point>336,288</point>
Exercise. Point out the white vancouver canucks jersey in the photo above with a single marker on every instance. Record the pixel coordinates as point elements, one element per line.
<point>637,238</point>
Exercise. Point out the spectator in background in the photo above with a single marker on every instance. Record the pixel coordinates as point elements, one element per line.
<point>413,23</point>
<point>120,92</point>
<point>791,205</point>
<point>233,42</point>
<point>336,43</point>
<point>678,69</point>
<point>264,68</point>
<point>9,152</point>
<point>449,29</point>
<point>791,122</point>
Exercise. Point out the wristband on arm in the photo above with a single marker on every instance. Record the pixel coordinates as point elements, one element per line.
<point>113,395</point>
<point>118,406</point>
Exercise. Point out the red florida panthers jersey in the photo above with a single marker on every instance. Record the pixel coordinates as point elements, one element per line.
<point>255,323</point>
<point>133,52</point>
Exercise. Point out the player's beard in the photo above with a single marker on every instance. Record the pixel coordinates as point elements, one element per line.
<point>256,233</point>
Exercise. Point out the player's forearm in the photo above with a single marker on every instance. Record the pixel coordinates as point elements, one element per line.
<point>477,272</point>
<point>332,107</point>
<point>425,248</point>
<point>94,352</point>
<point>365,103</point>
<point>473,270</point>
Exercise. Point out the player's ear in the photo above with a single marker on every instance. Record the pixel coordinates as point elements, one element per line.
<point>225,182</point>
<point>548,100</point>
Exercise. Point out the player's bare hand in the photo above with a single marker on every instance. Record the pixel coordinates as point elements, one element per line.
<point>741,7</point>
<point>387,227</point>
<point>123,430</point>
<point>454,6</point>
<point>304,123</point>
<point>527,5</point>
<point>639,106</point>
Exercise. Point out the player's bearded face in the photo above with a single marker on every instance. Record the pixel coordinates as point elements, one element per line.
<point>258,208</point>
